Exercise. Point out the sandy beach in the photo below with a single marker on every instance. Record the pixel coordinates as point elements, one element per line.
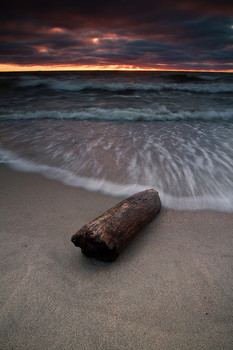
<point>172,288</point>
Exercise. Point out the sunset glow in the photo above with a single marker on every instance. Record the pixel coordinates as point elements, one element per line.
<point>18,68</point>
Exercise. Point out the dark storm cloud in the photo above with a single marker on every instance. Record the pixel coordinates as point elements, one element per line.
<point>179,34</point>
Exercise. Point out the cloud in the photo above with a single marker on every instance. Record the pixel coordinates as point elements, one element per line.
<point>179,34</point>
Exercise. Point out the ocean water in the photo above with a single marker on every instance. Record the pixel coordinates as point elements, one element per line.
<point>122,132</point>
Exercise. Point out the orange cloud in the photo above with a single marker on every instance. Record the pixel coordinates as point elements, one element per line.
<point>57,30</point>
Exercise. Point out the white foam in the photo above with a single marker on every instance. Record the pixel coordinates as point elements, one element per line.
<point>223,202</point>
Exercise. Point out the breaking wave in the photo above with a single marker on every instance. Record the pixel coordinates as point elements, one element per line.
<point>116,114</point>
<point>198,84</point>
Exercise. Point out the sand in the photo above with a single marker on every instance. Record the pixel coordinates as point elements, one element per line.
<point>172,288</point>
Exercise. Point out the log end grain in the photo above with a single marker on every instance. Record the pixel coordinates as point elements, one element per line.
<point>93,247</point>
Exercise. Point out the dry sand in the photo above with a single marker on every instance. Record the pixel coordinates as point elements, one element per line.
<point>172,288</point>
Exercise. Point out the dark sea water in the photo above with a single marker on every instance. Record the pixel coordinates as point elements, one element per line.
<point>122,132</point>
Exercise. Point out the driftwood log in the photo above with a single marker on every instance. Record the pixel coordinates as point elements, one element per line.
<point>106,236</point>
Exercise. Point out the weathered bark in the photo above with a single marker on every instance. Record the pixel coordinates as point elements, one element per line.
<point>106,236</point>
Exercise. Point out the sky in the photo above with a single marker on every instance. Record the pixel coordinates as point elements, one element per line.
<point>147,34</point>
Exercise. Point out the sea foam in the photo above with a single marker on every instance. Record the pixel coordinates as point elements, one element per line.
<point>223,202</point>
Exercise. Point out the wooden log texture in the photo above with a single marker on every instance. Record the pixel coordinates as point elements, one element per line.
<point>106,236</point>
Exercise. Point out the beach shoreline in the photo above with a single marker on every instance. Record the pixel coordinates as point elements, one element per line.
<point>172,287</point>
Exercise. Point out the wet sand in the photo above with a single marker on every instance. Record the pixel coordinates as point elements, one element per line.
<point>172,288</point>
